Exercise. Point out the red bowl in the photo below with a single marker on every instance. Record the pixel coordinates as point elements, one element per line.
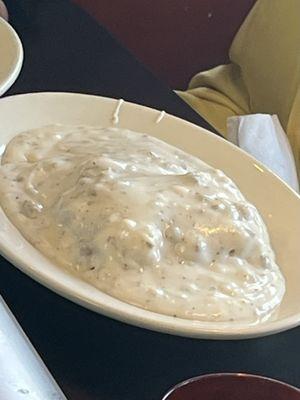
<point>232,386</point>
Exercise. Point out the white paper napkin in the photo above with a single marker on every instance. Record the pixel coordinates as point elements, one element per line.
<point>23,375</point>
<point>262,136</point>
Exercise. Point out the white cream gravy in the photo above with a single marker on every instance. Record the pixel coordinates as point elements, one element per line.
<point>142,221</point>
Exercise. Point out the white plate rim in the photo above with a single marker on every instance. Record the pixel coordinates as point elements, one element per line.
<point>14,71</point>
<point>134,316</point>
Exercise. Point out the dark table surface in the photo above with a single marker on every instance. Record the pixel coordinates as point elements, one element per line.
<point>91,356</point>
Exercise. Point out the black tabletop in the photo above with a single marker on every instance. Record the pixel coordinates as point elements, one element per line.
<point>91,356</point>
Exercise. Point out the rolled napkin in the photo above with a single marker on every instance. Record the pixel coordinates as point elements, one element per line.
<point>23,375</point>
<point>262,136</point>
<point>3,11</point>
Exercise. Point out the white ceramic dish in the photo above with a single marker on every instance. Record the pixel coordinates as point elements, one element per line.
<point>279,206</point>
<point>11,56</point>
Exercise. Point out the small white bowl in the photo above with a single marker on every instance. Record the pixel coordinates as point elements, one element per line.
<point>11,56</point>
<point>279,206</point>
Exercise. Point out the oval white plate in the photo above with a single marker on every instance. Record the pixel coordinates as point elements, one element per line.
<point>279,206</point>
<point>11,56</point>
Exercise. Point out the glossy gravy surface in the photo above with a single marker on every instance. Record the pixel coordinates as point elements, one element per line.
<point>141,221</point>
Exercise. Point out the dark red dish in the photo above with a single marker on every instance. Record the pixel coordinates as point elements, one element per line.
<point>232,386</point>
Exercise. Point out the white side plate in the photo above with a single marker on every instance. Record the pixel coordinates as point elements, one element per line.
<point>11,56</point>
<point>279,206</point>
